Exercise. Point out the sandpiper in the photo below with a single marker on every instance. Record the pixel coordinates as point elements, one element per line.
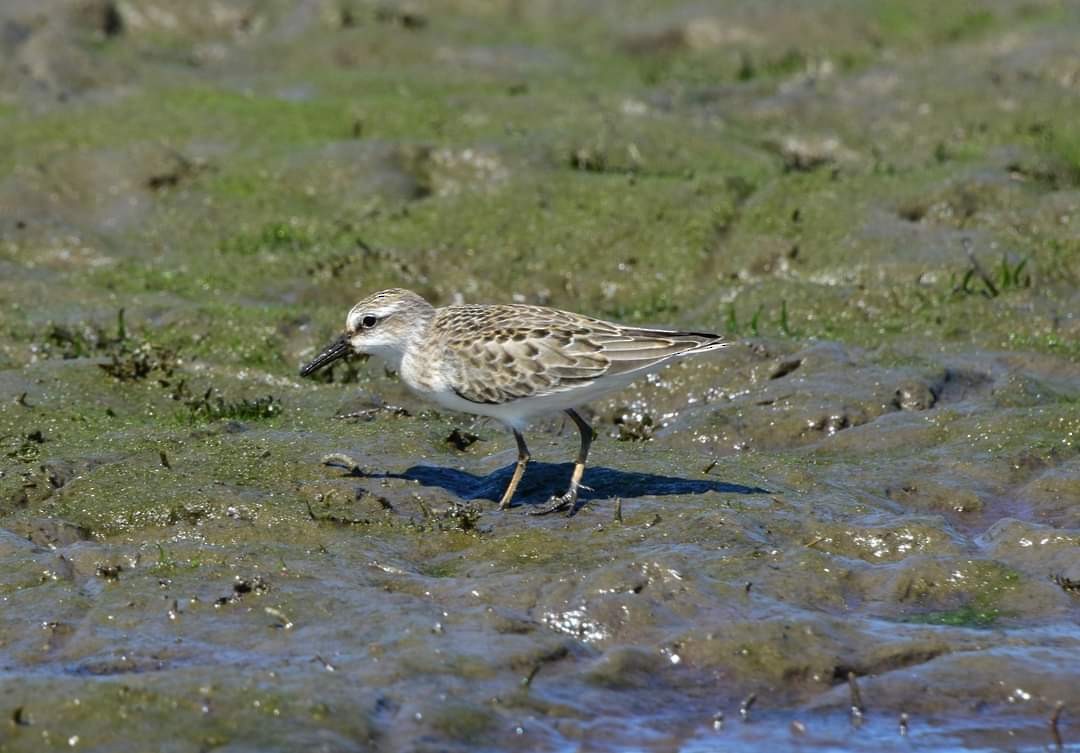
<point>512,362</point>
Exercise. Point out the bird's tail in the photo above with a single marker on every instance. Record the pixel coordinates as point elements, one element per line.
<point>688,343</point>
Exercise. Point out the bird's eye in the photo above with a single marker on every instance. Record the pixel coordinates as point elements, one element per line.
<point>369,321</point>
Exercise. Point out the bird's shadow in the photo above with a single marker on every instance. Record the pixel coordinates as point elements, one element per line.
<point>541,480</point>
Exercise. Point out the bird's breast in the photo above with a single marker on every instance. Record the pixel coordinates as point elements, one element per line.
<point>422,373</point>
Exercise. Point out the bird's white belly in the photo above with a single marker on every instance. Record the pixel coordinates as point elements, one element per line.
<point>518,413</point>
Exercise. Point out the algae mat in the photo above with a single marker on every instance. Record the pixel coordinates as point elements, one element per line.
<point>857,530</point>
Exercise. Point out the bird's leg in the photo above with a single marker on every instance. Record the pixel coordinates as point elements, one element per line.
<point>519,470</point>
<point>569,499</point>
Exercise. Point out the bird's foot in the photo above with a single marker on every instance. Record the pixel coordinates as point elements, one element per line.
<point>560,502</point>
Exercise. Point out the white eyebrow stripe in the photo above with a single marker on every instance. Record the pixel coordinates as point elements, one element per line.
<point>356,314</point>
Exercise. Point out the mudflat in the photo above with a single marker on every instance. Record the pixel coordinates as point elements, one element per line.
<point>872,500</point>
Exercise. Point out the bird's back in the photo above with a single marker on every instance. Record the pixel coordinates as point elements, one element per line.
<point>498,354</point>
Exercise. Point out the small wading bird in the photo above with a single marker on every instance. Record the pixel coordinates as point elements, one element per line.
<point>510,362</point>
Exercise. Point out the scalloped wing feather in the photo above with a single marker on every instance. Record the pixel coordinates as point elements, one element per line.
<point>497,354</point>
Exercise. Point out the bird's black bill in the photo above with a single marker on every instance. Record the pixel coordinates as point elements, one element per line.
<point>335,350</point>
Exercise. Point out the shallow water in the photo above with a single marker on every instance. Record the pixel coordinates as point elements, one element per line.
<point>881,481</point>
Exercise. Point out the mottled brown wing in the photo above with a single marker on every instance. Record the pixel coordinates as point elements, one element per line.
<point>634,349</point>
<point>504,353</point>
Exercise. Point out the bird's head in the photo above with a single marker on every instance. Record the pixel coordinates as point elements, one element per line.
<point>383,324</point>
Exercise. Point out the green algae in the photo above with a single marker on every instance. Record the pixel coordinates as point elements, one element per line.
<point>987,606</point>
<point>969,616</point>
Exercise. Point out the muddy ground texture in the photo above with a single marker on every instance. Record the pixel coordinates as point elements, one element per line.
<point>881,481</point>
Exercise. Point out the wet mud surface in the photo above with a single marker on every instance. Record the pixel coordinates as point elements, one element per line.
<point>872,501</point>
